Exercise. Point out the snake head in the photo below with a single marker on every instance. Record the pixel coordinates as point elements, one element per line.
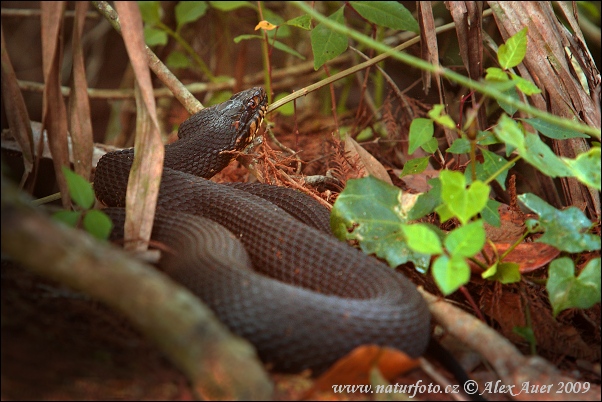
<point>246,109</point>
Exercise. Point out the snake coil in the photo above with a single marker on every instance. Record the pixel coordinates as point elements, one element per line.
<point>303,298</point>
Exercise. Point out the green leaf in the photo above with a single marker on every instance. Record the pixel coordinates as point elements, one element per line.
<point>390,14</point>
<point>285,48</point>
<point>154,37</point>
<point>586,167</point>
<point>567,291</point>
<point>509,109</point>
<point>462,203</point>
<point>467,240</point>
<point>427,202</point>
<point>496,74</point>
<point>177,59</point>
<point>80,190</point>
<point>512,53</point>
<point>150,11</point>
<point>230,5</point>
<point>303,22</point>
<point>531,148</point>
<point>422,238</point>
<point>436,115</point>
<point>371,212</point>
<point>247,37</point>
<point>450,273</point>
<point>421,130</point>
<point>490,213</point>
<point>414,166</point>
<point>459,146</point>
<point>327,44</point>
<point>430,146</point>
<point>491,164</point>
<point>566,230</point>
<point>188,11</point>
<point>69,218</point>
<point>98,224</point>
<point>553,131</point>
<point>525,86</point>
<point>503,272</point>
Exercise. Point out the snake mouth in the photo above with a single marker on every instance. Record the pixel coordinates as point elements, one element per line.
<point>254,107</point>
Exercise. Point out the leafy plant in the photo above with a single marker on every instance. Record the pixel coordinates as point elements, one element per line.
<point>94,221</point>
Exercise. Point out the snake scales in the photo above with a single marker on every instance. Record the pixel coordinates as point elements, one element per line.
<point>303,298</point>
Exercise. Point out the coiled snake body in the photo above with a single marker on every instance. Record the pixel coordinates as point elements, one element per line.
<point>303,298</point>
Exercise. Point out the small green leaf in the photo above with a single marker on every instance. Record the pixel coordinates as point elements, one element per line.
<point>503,272</point>
<point>422,238</point>
<point>70,218</point>
<point>450,273</point>
<point>371,212</point>
<point>496,74</point>
<point>80,190</point>
<point>327,44</point>
<point>553,131</point>
<point>567,291</point>
<point>567,230</point>
<point>421,130</point>
<point>415,166</point>
<point>177,59</point>
<point>303,22</point>
<point>586,167</point>
<point>427,202</point>
<point>230,5</point>
<point>154,37</point>
<point>443,119</point>
<point>98,224</point>
<point>285,48</point>
<point>430,146</point>
<point>463,203</point>
<point>188,11</point>
<point>150,11</point>
<point>390,14</point>
<point>525,86</point>
<point>512,53</point>
<point>492,163</point>
<point>459,146</point>
<point>467,240</point>
<point>513,93</point>
<point>247,37</point>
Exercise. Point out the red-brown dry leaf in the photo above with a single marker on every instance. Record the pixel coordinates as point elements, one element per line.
<point>354,368</point>
<point>528,256</point>
<point>511,228</point>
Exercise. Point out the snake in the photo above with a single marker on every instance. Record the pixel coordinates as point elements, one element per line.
<point>262,257</point>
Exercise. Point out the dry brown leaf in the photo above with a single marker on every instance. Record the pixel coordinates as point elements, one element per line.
<point>528,256</point>
<point>365,161</point>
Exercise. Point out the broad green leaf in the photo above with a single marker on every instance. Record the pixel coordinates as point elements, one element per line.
<point>512,53</point>
<point>70,218</point>
<point>390,14</point>
<point>552,130</point>
<point>177,59</point>
<point>586,167</point>
<point>490,213</point>
<point>430,146</point>
<point>421,130</point>
<point>327,44</point>
<point>467,240</point>
<point>463,203</point>
<point>230,5</point>
<point>459,146</point>
<point>509,109</point>
<point>422,238</point>
<point>371,212</point>
<point>567,230</point>
<point>496,74</point>
<point>450,273</point>
<point>303,22</point>
<point>98,224</point>
<point>150,11</point>
<point>414,166</point>
<point>567,291</point>
<point>154,37</point>
<point>503,272</point>
<point>80,190</point>
<point>188,11</point>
